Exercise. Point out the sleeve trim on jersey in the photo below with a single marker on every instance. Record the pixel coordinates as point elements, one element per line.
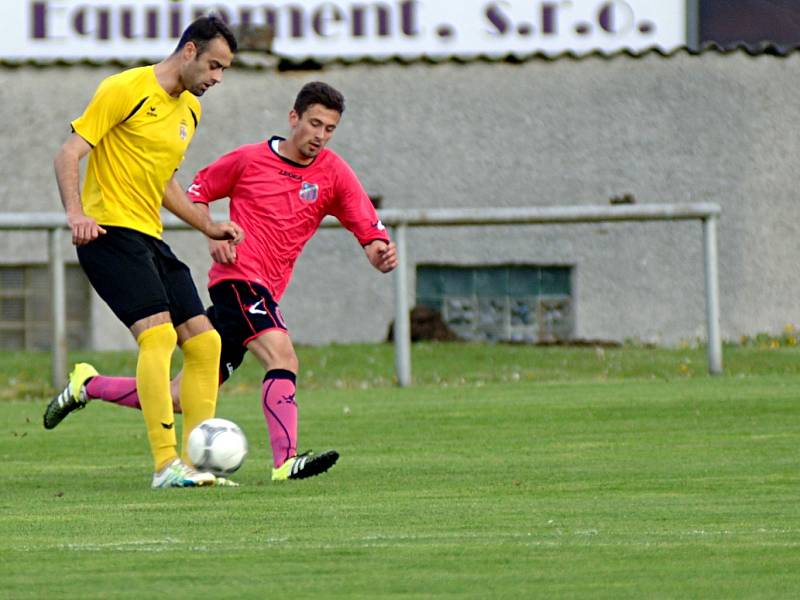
<point>136,108</point>
<point>79,135</point>
<point>194,118</point>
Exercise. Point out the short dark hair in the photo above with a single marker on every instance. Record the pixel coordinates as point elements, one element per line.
<point>318,92</point>
<point>204,29</point>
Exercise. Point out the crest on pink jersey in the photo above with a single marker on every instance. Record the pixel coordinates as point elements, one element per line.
<point>309,192</point>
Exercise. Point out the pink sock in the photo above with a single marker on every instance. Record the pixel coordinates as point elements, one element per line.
<point>119,390</point>
<point>280,410</point>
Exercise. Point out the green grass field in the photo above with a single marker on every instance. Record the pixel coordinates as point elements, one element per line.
<point>506,472</point>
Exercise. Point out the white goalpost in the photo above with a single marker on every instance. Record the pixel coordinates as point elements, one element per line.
<point>399,221</point>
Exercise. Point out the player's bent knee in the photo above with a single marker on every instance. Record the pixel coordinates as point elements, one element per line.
<point>160,336</point>
<point>203,347</point>
<point>292,363</point>
<point>287,362</point>
<point>193,327</point>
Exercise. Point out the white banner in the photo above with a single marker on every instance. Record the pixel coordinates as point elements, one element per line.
<point>149,29</point>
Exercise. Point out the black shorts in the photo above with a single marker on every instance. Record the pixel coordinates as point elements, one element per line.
<point>138,276</point>
<point>241,311</point>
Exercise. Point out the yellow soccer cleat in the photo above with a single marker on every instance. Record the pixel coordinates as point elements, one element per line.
<point>72,397</point>
<point>305,465</point>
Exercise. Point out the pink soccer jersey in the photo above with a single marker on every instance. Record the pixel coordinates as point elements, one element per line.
<point>280,205</point>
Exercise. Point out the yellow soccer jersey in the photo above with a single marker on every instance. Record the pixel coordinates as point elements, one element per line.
<point>139,135</point>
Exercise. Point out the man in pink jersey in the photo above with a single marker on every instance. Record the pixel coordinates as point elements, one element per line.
<point>279,190</point>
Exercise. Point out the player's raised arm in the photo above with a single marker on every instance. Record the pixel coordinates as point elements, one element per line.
<point>221,251</point>
<point>176,202</point>
<point>67,167</point>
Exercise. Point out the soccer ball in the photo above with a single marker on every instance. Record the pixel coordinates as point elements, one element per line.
<point>218,446</point>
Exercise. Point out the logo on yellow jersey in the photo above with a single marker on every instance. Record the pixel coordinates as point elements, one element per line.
<point>183,131</point>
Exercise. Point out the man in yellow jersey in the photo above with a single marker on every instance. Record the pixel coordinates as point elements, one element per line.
<point>136,130</point>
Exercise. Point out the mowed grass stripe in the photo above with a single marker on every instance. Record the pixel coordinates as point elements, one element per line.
<point>642,487</point>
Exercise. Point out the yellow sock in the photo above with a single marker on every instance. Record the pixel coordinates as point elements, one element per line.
<point>152,384</point>
<point>199,382</point>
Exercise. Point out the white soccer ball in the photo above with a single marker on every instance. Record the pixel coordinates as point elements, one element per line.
<point>217,446</point>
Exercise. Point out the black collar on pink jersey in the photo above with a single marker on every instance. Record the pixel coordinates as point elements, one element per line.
<point>272,144</point>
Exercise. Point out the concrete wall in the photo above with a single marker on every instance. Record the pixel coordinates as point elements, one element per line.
<point>719,128</point>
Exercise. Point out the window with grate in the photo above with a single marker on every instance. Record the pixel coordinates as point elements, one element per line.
<point>519,303</point>
<point>26,311</point>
